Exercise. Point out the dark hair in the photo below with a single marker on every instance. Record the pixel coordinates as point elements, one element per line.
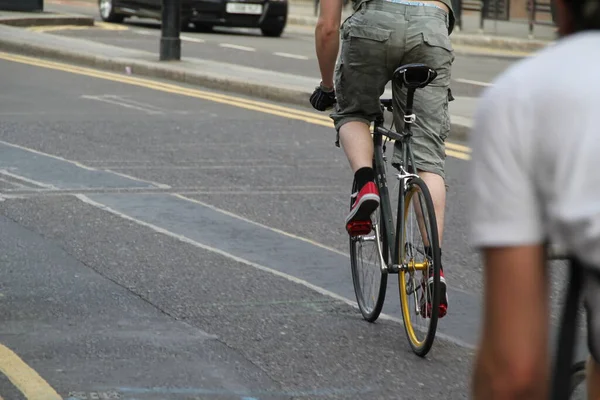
<point>586,14</point>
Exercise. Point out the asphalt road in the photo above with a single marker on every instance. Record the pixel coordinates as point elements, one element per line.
<point>159,246</point>
<point>293,53</point>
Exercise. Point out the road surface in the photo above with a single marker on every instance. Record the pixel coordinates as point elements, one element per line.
<point>183,244</point>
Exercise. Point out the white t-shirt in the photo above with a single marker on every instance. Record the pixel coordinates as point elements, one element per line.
<point>535,169</point>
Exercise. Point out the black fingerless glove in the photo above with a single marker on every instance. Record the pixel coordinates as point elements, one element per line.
<point>321,99</point>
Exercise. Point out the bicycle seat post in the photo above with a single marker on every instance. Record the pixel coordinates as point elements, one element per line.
<point>409,116</point>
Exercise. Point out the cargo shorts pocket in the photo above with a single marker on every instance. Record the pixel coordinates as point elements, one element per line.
<point>365,47</point>
<point>439,53</point>
<point>438,38</point>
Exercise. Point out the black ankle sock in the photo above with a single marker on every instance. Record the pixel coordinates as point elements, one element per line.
<point>363,176</point>
<point>428,251</point>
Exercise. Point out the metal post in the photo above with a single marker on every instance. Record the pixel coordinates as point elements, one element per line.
<point>170,43</point>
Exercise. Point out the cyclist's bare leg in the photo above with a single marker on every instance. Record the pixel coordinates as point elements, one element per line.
<point>356,141</point>
<point>437,187</point>
<point>593,379</point>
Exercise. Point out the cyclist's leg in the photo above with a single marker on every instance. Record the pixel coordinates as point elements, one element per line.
<point>593,379</point>
<point>592,306</point>
<point>360,78</point>
<point>430,44</point>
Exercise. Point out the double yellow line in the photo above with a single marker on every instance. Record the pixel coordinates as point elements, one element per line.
<point>453,149</point>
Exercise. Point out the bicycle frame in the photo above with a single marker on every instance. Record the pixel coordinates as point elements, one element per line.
<point>393,230</point>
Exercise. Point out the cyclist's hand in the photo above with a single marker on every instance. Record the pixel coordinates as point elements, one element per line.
<point>322,98</point>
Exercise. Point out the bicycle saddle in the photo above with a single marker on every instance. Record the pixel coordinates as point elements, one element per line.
<point>414,76</point>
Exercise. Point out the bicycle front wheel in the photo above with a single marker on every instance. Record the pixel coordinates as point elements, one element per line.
<point>368,256</point>
<point>419,277</point>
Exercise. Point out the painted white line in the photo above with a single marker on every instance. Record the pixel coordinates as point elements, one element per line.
<point>471,82</point>
<point>192,39</point>
<point>48,155</point>
<point>22,178</point>
<point>115,100</point>
<point>237,47</point>
<point>225,254</point>
<point>289,55</point>
<point>160,185</point>
<point>157,184</point>
<point>230,214</point>
<point>17,184</point>
<point>144,32</point>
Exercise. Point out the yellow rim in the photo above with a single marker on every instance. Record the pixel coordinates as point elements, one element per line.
<point>402,277</point>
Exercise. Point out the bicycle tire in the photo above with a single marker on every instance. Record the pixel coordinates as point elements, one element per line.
<point>578,372</point>
<point>370,314</point>
<point>419,347</point>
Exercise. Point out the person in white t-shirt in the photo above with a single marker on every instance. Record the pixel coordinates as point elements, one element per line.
<point>535,178</point>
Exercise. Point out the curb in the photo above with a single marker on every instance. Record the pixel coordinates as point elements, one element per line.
<point>460,126</point>
<point>500,43</point>
<point>48,20</point>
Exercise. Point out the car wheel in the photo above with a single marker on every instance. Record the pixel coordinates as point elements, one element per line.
<point>107,11</point>
<point>272,30</point>
<point>199,27</point>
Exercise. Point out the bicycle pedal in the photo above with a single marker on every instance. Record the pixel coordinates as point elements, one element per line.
<point>357,228</point>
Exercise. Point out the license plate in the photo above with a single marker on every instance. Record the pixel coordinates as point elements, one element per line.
<point>244,8</point>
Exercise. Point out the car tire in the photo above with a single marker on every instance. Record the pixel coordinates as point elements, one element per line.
<point>205,28</point>
<point>272,30</point>
<point>107,12</point>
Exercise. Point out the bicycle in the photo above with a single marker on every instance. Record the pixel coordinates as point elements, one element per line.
<point>563,363</point>
<point>418,269</point>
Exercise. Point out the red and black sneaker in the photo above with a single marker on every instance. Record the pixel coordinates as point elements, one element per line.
<point>443,308</point>
<point>366,201</point>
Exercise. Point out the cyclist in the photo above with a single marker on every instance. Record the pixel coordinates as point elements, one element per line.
<point>378,37</point>
<point>536,142</point>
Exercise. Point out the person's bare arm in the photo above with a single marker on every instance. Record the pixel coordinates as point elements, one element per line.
<point>512,361</point>
<point>327,38</point>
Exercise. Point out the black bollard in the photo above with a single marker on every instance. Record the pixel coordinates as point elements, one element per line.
<point>170,43</point>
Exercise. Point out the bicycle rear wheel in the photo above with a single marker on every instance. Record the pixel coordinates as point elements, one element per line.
<point>419,282</point>
<point>367,253</point>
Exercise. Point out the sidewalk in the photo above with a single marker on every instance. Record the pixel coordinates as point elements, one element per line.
<point>46,18</point>
<point>501,35</point>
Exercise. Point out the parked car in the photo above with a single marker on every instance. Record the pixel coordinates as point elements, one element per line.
<point>268,15</point>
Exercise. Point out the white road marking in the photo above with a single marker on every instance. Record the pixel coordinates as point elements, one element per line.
<point>157,184</point>
<point>118,101</point>
<point>192,39</point>
<point>284,233</point>
<point>47,155</point>
<point>289,55</point>
<point>22,178</point>
<point>144,32</point>
<point>471,82</point>
<point>235,258</point>
<point>78,164</point>
<point>237,47</point>
<point>17,184</point>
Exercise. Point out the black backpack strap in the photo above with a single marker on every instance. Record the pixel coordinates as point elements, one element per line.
<point>561,375</point>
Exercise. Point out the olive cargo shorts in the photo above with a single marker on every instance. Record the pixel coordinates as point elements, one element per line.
<point>376,39</point>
